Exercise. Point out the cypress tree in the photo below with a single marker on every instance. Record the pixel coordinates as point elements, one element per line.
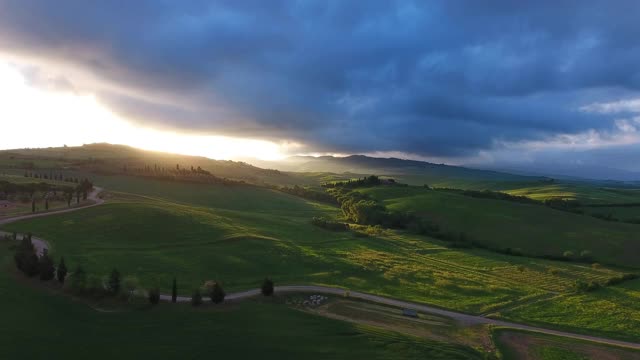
<point>46,204</point>
<point>61,272</point>
<point>33,205</point>
<point>174,291</point>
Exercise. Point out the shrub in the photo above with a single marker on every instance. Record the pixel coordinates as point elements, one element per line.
<point>586,255</point>
<point>267,287</point>
<point>583,286</point>
<point>217,294</point>
<point>329,225</point>
<point>130,284</point>
<point>154,296</point>
<point>568,254</point>
<point>596,266</point>
<point>196,298</point>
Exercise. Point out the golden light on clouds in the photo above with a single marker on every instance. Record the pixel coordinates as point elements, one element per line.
<point>32,117</point>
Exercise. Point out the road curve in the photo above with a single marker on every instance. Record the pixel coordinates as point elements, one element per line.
<point>40,244</point>
<point>461,317</point>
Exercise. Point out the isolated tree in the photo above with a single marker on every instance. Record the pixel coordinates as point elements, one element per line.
<point>267,287</point>
<point>154,296</point>
<point>217,293</point>
<point>114,282</point>
<point>174,291</point>
<point>78,197</point>
<point>69,195</point>
<point>46,267</point>
<point>46,204</point>
<point>196,298</point>
<point>33,205</point>
<point>61,272</point>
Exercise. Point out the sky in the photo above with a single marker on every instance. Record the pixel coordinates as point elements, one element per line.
<point>551,85</point>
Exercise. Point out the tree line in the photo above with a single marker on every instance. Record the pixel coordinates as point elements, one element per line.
<point>81,283</point>
<point>367,181</point>
<point>51,176</point>
<point>179,173</point>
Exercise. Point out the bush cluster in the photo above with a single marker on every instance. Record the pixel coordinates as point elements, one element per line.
<point>328,224</point>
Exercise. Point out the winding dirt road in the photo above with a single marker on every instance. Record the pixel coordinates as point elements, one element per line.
<point>41,244</point>
<point>461,317</point>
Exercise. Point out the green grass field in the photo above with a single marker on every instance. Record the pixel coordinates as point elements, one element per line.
<point>534,229</point>
<point>584,192</point>
<point>622,213</point>
<point>253,329</point>
<point>240,235</point>
<point>516,345</point>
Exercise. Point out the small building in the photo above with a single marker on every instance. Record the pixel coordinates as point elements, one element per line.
<point>410,313</point>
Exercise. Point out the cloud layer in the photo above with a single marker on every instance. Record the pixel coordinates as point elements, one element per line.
<point>431,78</point>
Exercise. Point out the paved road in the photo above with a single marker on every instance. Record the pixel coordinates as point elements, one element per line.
<point>461,317</point>
<point>464,318</point>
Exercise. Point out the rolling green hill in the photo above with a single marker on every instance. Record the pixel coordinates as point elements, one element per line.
<point>239,235</point>
<point>534,229</point>
<point>169,331</point>
<point>111,159</point>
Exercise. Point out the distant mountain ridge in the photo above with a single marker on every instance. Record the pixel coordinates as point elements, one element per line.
<point>410,171</point>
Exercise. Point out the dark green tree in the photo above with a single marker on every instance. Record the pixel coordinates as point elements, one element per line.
<point>114,282</point>
<point>174,291</point>
<point>61,272</point>
<point>25,256</point>
<point>217,293</point>
<point>46,267</point>
<point>267,287</point>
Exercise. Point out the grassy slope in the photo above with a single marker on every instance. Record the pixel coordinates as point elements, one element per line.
<point>583,192</point>
<point>534,229</point>
<point>250,330</point>
<point>614,310</point>
<point>101,158</point>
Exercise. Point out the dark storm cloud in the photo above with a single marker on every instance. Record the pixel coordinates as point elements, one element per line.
<point>434,78</point>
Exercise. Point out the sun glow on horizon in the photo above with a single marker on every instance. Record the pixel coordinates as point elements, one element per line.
<point>32,117</point>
